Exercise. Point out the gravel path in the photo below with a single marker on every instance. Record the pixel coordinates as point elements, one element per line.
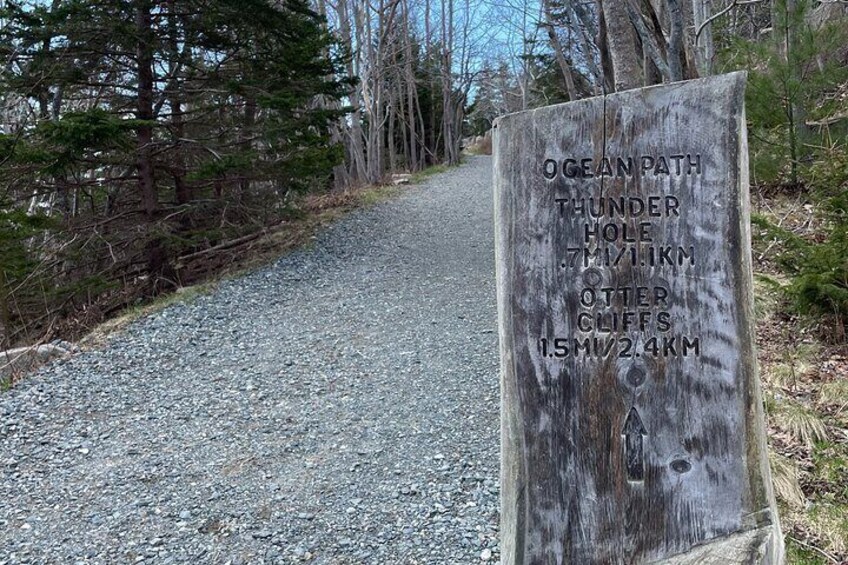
<point>339,406</point>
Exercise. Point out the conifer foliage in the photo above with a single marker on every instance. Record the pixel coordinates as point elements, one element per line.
<point>138,135</point>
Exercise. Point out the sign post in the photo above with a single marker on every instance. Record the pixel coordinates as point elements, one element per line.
<point>632,425</point>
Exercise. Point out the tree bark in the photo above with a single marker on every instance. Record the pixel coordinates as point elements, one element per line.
<point>675,40</point>
<point>157,258</point>
<point>182,190</point>
<point>621,40</point>
<point>411,91</point>
<point>355,148</point>
<point>556,47</point>
<point>701,47</point>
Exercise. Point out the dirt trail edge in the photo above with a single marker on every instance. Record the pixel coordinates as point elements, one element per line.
<point>338,406</point>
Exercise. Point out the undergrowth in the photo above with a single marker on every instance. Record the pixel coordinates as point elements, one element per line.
<point>804,370</point>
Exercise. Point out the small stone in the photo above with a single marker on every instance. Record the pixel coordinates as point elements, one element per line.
<point>486,554</point>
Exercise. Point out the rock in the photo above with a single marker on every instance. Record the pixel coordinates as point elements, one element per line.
<point>326,337</point>
<point>26,359</point>
<point>400,179</point>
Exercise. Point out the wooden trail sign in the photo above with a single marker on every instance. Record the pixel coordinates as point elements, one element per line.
<point>632,426</point>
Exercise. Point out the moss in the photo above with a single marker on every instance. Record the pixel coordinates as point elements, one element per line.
<point>799,555</point>
<point>830,463</point>
<point>377,194</point>
<point>421,176</point>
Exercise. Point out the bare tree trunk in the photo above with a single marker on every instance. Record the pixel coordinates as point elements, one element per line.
<point>646,23</point>
<point>556,47</point>
<point>607,78</point>
<point>675,40</point>
<point>341,178</point>
<point>371,90</point>
<point>391,130</point>
<point>144,108</point>
<point>355,148</point>
<point>401,118</point>
<point>245,134</point>
<point>182,191</point>
<point>701,47</point>
<point>451,143</point>
<point>786,29</point>
<point>411,90</point>
<point>621,41</point>
<point>157,259</point>
<point>5,312</point>
<point>588,32</point>
<point>424,149</point>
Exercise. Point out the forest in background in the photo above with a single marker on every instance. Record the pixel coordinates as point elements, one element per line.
<point>145,145</point>
<point>142,139</point>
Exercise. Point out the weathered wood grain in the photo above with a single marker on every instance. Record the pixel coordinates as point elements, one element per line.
<point>632,426</point>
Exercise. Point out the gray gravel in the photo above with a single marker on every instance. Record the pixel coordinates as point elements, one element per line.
<point>339,406</point>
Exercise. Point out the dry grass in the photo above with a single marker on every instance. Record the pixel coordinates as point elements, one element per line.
<point>806,391</point>
<point>804,424</point>
<point>784,476</point>
<point>805,381</point>
<point>314,213</point>
<point>482,148</point>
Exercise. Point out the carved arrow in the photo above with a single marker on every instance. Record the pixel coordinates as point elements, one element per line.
<point>634,457</point>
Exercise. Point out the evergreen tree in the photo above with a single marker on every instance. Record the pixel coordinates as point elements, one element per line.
<point>160,129</point>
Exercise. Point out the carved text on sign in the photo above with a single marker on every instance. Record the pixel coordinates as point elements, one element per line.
<point>644,165</point>
<point>632,425</point>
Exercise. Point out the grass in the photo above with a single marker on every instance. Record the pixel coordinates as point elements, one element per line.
<point>423,175</point>
<point>802,422</point>
<point>806,394</point>
<point>798,553</point>
<point>100,335</point>
<point>805,382</point>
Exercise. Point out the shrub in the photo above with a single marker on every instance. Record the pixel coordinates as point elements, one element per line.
<point>818,265</point>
